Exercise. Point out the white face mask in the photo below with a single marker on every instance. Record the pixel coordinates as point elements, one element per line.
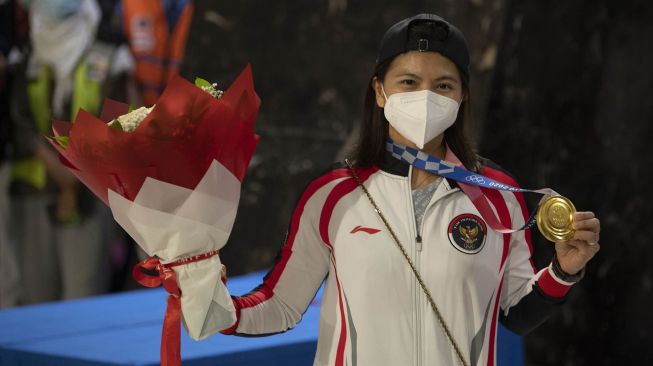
<point>420,116</point>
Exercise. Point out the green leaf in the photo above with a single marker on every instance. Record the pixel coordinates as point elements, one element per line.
<point>131,108</point>
<point>62,141</point>
<point>199,82</point>
<point>115,124</point>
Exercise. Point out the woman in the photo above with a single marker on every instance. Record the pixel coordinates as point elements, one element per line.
<point>374,310</point>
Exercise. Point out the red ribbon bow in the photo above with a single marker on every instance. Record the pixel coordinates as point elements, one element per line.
<point>152,273</point>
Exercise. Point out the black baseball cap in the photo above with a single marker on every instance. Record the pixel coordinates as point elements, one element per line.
<point>437,35</point>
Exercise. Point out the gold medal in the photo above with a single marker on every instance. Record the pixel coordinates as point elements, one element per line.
<point>555,218</point>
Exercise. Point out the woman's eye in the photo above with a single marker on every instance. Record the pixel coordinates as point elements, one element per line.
<point>445,86</point>
<point>408,82</point>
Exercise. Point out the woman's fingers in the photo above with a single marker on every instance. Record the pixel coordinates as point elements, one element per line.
<point>583,245</point>
<point>583,215</point>
<point>587,227</point>
<point>591,237</point>
<point>575,253</point>
<point>590,223</point>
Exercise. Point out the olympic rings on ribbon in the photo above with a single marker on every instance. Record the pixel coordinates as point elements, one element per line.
<point>475,178</point>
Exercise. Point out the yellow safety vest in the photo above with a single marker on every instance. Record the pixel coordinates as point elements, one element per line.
<point>90,76</point>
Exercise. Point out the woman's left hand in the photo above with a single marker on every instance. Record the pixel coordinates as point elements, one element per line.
<point>574,254</point>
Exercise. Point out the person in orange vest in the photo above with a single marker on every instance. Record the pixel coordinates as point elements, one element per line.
<point>156,31</point>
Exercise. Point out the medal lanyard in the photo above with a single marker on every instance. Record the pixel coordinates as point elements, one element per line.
<point>469,183</point>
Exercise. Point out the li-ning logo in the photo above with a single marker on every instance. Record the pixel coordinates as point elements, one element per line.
<point>368,230</point>
<point>475,179</point>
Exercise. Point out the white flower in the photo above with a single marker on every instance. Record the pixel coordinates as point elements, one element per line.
<point>130,121</point>
<point>213,90</point>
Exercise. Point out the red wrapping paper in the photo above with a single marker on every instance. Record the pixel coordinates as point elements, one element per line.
<point>176,143</point>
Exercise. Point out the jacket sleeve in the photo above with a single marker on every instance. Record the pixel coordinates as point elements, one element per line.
<point>301,266</point>
<point>280,301</point>
<point>529,296</point>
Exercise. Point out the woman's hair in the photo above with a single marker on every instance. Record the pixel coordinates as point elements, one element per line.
<point>370,149</point>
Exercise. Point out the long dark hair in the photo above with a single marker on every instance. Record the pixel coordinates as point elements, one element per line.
<point>370,149</point>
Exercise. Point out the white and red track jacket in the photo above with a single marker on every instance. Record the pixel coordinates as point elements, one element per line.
<point>373,310</point>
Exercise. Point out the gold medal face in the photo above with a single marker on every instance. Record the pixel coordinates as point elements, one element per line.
<point>554,218</point>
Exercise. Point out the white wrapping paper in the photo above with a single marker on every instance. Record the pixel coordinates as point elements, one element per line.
<point>173,222</point>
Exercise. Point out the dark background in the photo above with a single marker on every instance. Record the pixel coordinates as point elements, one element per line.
<point>563,98</point>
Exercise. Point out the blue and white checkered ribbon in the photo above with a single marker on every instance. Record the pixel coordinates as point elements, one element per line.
<point>419,159</point>
<point>434,165</point>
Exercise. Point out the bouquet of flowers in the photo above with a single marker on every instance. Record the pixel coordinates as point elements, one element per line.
<point>171,175</point>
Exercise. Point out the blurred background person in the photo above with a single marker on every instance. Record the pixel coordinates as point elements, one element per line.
<point>156,31</point>
<point>13,34</point>
<point>59,227</point>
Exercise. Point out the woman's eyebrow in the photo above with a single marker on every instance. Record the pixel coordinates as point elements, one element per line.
<point>447,77</point>
<point>408,74</point>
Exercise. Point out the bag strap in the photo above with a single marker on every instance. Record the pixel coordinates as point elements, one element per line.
<point>410,264</point>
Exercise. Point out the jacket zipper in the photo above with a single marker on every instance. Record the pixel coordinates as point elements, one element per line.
<point>418,248</point>
<point>418,291</point>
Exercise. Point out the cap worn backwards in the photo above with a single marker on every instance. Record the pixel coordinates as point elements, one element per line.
<point>438,36</point>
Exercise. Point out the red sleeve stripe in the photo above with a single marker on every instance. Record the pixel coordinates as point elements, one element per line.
<point>506,179</point>
<point>286,252</point>
<point>504,216</point>
<point>342,340</point>
<point>546,282</point>
<point>527,232</point>
<point>266,290</point>
<point>493,328</point>
<point>343,188</point>
<point>550,286</point>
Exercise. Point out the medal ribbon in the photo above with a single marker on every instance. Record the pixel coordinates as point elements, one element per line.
<point>469,182</point>
<point>152,273</point>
